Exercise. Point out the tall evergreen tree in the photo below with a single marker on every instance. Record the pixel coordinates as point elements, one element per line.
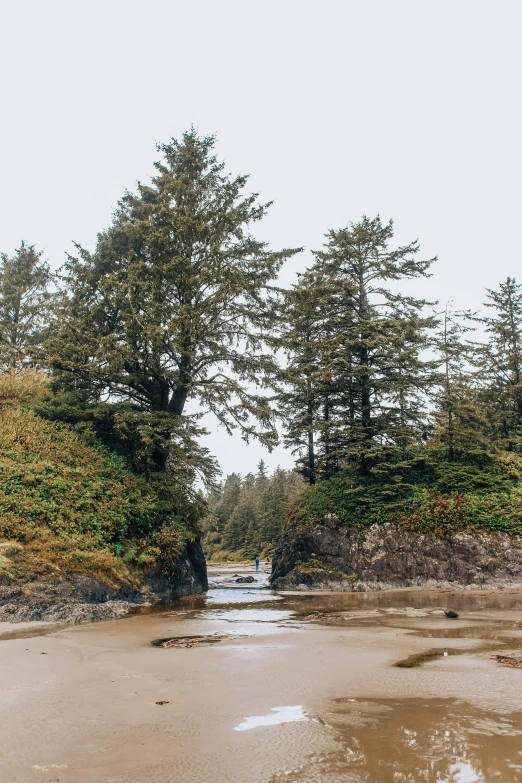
<point>500,361</point>
<point>460,422</point>
<point>240,532</point>
<point>175,301</point>
<point>365,370</point>
<point>261,474</point>
<point>251,524</point>
<point>282,487</point>
<point>228,499</point>
<point>25,281</point>
<point>221,502</point>
<point>300,396</point>
<point>380,332</point>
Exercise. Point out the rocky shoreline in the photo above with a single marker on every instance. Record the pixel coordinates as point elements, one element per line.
<point>330,556</point>
<point>73,598</point>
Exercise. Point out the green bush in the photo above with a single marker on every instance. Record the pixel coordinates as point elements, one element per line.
<point>421,491</point>
<point>69,503</point>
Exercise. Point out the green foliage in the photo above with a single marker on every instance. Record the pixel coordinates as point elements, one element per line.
<point>312,566</point>
<point>176,299</point>
<point>50,476</point>
<point>499,364</point>
<point>460,421</point>
<point>25,301</point>
<point>246,515</point>
<point>427,492</point>
<point>68,502</point>
<point>169,541</point>
<point>305,378</point>
<point>392,413</point>
<point>355,377</point>
<point>162,448</point>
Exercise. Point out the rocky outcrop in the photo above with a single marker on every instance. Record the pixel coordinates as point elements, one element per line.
<point>187,577</point>
<point>330,556</point>
<point>72,598</point>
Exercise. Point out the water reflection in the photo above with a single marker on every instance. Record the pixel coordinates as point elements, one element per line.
<point>417,741</point>
<point>460,600</point>
<point>244,595</point>
<point>248,615</point>
<point>250,621</point>
<point>276,715</point>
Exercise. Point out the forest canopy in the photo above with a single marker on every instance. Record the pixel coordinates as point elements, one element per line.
<point>246,515</point>
<point>371,388</point>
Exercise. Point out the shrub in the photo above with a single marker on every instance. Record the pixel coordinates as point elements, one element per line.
<point>426,493</point>
<point>66,503</point>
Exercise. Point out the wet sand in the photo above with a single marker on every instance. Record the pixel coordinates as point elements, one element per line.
<point>300,688</point>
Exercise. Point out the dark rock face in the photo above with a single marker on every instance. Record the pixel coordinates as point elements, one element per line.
<point>73,598</point>
<point>187,577</point>
<point>329,556</point>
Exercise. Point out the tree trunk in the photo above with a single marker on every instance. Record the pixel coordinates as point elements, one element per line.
<point>311,458</point>
<point>177,401</point>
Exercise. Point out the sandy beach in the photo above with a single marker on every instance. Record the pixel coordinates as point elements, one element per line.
<point>300,687</point>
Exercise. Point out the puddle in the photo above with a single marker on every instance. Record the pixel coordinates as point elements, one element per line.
<point>460,600</point>
<point>250,621</point>
<point>276,716</point>
<point>462,632</point>
<point>36,629</point>
<point>415,741</point>
<point>503,642</point>
<point>417,659</point>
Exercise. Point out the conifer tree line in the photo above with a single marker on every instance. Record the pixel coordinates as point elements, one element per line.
<point>177,313</point>
<point>245,514</point>
<point>369,369</point>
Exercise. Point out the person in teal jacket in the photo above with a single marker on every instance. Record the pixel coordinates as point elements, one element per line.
<point>256,561</point>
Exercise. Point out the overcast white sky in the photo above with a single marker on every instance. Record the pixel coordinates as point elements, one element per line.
<point>409,108</point>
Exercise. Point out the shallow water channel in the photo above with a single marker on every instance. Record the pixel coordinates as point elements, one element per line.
<point>248,684</point>
<point>390,739</point>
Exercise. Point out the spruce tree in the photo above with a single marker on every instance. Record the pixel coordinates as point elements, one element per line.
<point>380,333</point>
<point>246,516</point>
<point>25,297</point>
<point>500,361</point>
<point>229,497</point>
<point>261,475</point>
<point>282,486</point>
<point>365,371</point>
<point>176,300</point>
<point>459,418</point>
<point>302,381</point>
<point>240,532</point>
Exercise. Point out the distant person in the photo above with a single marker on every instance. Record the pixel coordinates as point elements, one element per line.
<point>256,561</point>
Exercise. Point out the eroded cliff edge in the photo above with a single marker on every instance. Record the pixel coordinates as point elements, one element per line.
<point>68,597</point>
<point>330,556</point>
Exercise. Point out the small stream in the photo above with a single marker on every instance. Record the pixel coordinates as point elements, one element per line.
<point>243,609</point>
